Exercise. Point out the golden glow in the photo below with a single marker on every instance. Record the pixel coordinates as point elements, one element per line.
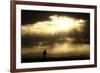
<point>65,49</point>
<point>55,25</point>
<point>65,23</point>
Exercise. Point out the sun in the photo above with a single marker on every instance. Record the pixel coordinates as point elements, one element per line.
<point>59,21</point>
<point>64,23</point>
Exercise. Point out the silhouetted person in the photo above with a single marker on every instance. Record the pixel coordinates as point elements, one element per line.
<point>44,54</point>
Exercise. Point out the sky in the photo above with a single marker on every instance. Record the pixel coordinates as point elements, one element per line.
<point>48,29</point>
<point>43,23</point>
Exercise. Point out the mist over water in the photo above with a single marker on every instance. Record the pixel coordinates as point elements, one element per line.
<point>65,49</point>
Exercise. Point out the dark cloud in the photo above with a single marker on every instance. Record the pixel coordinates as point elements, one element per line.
<point>78,37</point>
<point>30,16</point>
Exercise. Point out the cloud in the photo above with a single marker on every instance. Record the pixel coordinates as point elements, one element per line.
<point>56,24</point>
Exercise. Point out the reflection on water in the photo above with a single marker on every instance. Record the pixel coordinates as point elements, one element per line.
<point>64,50</point>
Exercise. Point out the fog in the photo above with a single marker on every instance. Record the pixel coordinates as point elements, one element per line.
<point>65,49</point>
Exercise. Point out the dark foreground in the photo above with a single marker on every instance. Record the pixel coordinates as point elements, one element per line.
<point>48,59</point>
